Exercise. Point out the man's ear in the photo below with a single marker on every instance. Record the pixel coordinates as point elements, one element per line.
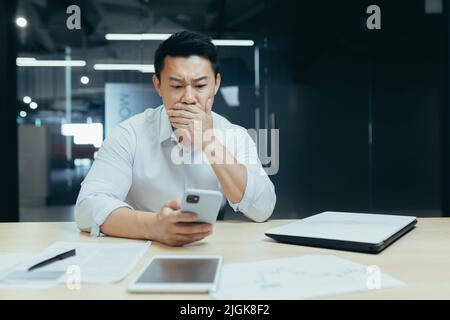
<point>157,84</point>
<point>217,84</point>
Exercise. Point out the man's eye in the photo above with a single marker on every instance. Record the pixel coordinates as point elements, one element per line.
<point>201,86</point>
<point>176,87</point>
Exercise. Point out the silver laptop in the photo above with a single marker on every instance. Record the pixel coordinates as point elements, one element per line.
<point>362,232</point>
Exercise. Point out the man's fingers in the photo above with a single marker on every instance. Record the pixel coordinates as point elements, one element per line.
<point>183,126</point>
<point>187,107</point>
<point>179,216</point>
<point>180,120</point>
<point>180,114</point>
<point>192,228</point>
<point>174,204</point>
<point>185,239</point>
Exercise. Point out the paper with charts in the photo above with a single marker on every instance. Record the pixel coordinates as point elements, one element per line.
<point>303,277</point>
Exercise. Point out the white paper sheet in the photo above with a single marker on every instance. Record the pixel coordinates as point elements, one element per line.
<point>93,263</point>
<point>13,276</point>
<point>9,260</point>
<point>304,277</point>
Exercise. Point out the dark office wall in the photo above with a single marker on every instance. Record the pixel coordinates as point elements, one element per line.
<point>359,111</point>
<point>8,130</point>
<point>318,90</point>
<point>444,117</point>
<point>407,60</point>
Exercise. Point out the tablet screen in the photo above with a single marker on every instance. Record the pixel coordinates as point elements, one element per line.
<point>183,270</point>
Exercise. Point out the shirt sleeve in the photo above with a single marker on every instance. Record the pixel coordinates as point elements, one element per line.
<point>259,197</point>
<point>107,184</point>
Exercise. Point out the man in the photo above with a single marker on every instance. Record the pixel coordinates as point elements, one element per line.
<point>134,187</point>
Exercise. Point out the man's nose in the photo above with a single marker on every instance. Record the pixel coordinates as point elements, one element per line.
<point>188,96</point>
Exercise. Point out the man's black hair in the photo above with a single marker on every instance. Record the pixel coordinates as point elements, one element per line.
<point>186,44</point>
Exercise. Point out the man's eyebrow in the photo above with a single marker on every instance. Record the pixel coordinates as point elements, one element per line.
<point>172,78</point>
<point>175,79</point>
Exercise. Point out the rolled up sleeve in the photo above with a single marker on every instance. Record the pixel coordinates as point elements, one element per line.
<point>259,197</point>
<point>107,184</point>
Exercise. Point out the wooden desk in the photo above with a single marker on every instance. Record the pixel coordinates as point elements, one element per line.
<point>421,258</point>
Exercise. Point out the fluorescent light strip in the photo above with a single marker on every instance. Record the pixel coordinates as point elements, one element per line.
<point>125,67</point>
<point>137,37</point>
<point>234,43</point>
<point>148,68</point>
<point>32,62</point>
<point>24,60</point>
<point>164,36</point>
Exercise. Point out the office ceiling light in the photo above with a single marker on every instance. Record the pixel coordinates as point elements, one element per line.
<point>21,22</point>
<point>23,114</point>
<point>24,60</point>
<point>148,68</point>
<point>33,62</point>
<point>125,67</point>
<point>26,99</point>
<point>234,43</point>
<point>33,105</point>
<point>84,80</point>
<point>164,36</point>
<point>137,36</point>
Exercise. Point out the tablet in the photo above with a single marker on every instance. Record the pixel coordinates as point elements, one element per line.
<point>180,273</point>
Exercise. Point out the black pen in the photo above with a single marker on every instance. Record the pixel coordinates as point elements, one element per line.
<point>58,257</point>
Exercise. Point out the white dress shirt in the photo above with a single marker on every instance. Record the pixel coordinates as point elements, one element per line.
<point>134,168</point>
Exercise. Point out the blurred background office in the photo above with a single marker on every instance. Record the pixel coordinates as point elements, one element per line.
<point>363,115</point>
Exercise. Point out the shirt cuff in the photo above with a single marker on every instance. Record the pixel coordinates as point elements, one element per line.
<point>247,198</point>
<point>100,217</point>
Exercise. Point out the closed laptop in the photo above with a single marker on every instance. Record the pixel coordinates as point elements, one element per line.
<point>362,232</point>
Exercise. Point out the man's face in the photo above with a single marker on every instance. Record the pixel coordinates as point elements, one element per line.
<point>187,80</point>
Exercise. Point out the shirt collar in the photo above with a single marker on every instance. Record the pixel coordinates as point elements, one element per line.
<point>165,128</point>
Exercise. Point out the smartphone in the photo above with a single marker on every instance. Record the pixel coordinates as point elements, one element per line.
<point>205,203</point>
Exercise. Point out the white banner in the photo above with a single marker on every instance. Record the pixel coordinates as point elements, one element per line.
<point>123,100</point>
